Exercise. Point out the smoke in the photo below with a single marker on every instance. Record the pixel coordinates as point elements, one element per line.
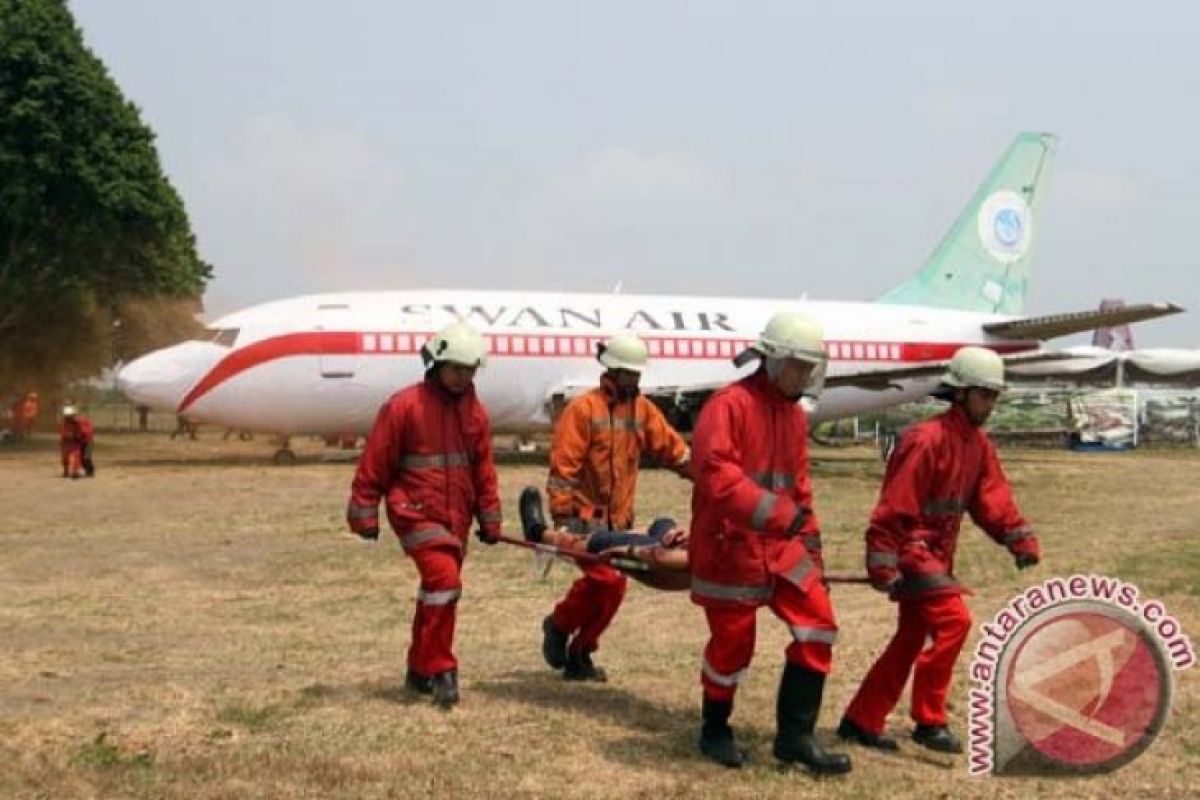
<point>75,338</point>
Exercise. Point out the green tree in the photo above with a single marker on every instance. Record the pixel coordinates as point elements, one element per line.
<point>89,224</point>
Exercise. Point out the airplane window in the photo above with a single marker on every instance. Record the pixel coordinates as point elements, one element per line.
<point>225,336</point>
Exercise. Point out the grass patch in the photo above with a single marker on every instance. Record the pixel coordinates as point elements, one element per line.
<point>266,651</point>
<point>1173,569</point>
<point>102,754</point>
<point>251,717</point>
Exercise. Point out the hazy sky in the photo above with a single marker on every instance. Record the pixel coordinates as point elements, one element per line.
<point>735,148</point>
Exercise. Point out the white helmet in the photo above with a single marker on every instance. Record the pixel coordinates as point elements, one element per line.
<point>70,411</point>
<point>458,343</point>
<point>975,366</point>
<point>792,335</point>
<point>623,351</point>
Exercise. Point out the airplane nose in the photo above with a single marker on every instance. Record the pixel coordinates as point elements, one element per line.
<point>161,379</point>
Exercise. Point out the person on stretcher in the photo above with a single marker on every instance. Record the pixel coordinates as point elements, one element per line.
<point>649,557</point>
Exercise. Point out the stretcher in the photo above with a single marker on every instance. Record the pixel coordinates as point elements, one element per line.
<point>646,565</point>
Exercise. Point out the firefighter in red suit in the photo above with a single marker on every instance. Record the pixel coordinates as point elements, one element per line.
<point>76,435</point>
<point>755,541</point>
<point>941,468</point>
<point>429,459</point>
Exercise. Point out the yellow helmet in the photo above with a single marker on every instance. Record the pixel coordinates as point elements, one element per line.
<point>69,411</point>
<point>975,366</point>
<point>624,351</point>
<point>457,343</point>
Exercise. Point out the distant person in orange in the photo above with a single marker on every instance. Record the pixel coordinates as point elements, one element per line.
<point>24,416</point>
<point>75,438</point>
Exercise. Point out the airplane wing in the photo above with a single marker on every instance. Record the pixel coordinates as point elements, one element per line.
<point>1055,325</point>
<point>881,379</point>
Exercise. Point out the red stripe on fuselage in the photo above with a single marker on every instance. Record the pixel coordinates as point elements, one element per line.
<point>310,343</point>
<point>525,345</point>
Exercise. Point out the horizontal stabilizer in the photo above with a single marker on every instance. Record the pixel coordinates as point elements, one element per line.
<point>1055,325</point>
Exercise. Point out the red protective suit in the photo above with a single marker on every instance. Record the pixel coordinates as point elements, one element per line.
<point>429,458</point>
<point>598,442</point>
<point>754,539</point>
<point>941,468</point>
<point>75,438</point>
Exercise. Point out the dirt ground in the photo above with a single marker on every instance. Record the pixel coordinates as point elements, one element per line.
<point>193,623</point>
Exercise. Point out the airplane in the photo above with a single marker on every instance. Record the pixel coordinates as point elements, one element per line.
<point>324,363</point>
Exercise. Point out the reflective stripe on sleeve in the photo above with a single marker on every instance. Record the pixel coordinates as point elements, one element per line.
<point>732,679</point>
<point>773,481</point>
<point>719,591</point>
<point>812,541</point>
<point>362,512</point>
<point>555,482</point>
<point>882,558</point>
<point>434,460</point>
<point>797,573</point>
<point>491,516</point>
<point>1016,535</point>
<point>813,634</point>
<point>762,512</point>
<point>442,598</point>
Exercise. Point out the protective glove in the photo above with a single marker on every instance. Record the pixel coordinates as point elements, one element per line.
<point>1025,560</point>
<point>487,537</point>
<point>368,534</point>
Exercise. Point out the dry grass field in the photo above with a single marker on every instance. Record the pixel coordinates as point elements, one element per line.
<point>192,623</point>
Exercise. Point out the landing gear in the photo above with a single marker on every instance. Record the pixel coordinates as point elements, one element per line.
<point>284,456</point>
<point>887,444</point>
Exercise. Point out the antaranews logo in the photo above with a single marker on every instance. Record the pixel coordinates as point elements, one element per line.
<point>1072,677</point>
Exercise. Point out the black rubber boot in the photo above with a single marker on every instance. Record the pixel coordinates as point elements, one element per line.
<point>852,732</point>
<point>796,710</point>
<point>445,688</point>
<point>937,737</point>
<point>716,737</point>
<point>579,667</point>
<point>533,519</point>
<point>416,682</point>
<point>554,644</point>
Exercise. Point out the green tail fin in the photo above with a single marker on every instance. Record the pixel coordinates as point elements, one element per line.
<point>983,262</point>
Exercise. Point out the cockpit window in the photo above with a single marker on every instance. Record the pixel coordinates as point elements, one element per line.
<point>225,336</point>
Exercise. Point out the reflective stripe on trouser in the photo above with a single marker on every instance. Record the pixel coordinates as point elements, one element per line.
<point>943,618</point>
<point>432,648</point>
<point>590,605</point>
<point>808,615</point>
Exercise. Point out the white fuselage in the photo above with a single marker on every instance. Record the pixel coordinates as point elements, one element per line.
<point>324,364</point>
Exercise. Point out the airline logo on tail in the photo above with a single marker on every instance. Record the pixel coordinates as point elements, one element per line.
<point>1005,226</point>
